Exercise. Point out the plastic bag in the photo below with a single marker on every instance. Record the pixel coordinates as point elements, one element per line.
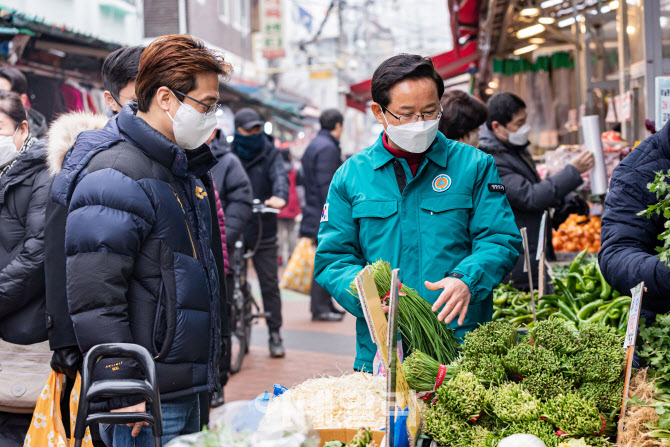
<point>46,428</point>
<point>244,415</point>
<point>300,269</point>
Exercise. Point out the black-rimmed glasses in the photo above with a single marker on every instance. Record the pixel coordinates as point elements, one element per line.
<point>208,109</point>
<point>412,118</point>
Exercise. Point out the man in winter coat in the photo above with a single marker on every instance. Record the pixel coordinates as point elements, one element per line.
<point>118,75</point>
<point>319,162</point>
<point>432,207</point>
<point>13,80</point>
<point>505,137</point>
<point>628,255</point>
<point>141,266</point>
<point>265,167</point>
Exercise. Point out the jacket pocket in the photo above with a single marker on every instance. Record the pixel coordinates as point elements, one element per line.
<point>165,319</point>
<point>380,209</point>
<point>444,226</point>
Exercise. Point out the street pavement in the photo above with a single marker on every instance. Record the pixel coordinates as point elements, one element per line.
<point>313,349</point>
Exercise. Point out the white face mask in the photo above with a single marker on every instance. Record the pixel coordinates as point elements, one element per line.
<point>520,137</point>
<point>191,128</point>
<point>413,137</point>
<point>8,150</point>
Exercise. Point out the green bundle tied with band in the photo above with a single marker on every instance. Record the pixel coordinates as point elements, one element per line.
<point>418,324</point>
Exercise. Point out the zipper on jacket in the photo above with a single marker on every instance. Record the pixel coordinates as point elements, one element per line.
<point>188,227</point>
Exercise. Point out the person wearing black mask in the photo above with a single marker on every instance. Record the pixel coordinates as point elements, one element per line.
<point>265,167</point>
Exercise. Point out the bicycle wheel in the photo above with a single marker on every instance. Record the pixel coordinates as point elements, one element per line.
<point>239,336</point>
<point>247,328</point>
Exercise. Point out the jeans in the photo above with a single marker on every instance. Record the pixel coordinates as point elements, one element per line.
<point>180,417</point>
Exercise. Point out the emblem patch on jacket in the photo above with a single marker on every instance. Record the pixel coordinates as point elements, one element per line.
<point>200,193</point>
<point>441,183</point>
<point>324,213</point>
<point>497,187</point>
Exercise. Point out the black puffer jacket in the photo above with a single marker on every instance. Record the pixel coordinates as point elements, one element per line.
<point>234,187</point>
<point>37,123</point>
<point>628,253</point>
<point>24,189</point>
<point>319,163</point>
<point>268,178</point>
<point>530,196</point>
<point>140,267</point>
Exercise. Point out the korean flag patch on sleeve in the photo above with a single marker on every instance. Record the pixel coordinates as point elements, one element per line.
<point>324,213</point>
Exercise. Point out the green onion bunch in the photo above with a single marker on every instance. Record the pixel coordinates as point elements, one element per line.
<point>546,385</point>
<point>463,395</point>
<point>526,359</point>
<point>495,337</point>
<point>538,427</point>
<point>573,414</point>
<point>554,334</point>
<point>605,395</point>
<point>421,371</point>
<point>594,334</point>
<point>420,328</point>
<point>512,403</point>
<point>488,368</point>
<point>481,437</point>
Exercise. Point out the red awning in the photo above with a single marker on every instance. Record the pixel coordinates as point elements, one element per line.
<point>448,65</point>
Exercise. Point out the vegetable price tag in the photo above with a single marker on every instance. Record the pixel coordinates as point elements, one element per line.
<point>629,343</point>
<point>634,317</point>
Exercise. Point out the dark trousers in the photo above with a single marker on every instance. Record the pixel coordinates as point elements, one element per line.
<point>265,264</point>
<point>321,301</point>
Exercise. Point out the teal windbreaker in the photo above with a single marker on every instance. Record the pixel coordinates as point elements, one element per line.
<point>452,218</point>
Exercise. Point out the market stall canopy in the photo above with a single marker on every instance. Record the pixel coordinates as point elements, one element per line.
<point>448,65</point>
<point>287,110</point>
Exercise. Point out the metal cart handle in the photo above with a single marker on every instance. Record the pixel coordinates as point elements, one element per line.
<point>105,389</point>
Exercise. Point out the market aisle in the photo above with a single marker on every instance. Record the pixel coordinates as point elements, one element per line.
<point>312,349</point>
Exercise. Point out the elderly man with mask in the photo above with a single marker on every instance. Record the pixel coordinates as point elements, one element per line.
<point>430,206</point>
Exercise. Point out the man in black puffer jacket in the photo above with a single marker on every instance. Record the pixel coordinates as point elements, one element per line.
<point>506,138</point>
<point>628,254</point>
<point>140,264</point>
<point>265,167</point>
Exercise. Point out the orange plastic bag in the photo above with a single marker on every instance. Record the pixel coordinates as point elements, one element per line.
<point>46,428</point>
<point>300,269</point>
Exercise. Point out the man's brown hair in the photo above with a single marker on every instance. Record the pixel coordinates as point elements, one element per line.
<point>174,61</point>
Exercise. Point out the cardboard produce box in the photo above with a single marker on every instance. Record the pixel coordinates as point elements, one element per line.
<point>347,434</point>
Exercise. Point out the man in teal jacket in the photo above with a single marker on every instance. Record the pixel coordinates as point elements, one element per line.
<point>430,206</point>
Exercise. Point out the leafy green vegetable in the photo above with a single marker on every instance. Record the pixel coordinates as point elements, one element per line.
<point>545,385</point>
<point>447,429</point>
<point>488,368</point>
<point>554,334</point>
<point>607,396</point>
<point>538,428</point>
<point>417,323</point>
<point>526,359</point>
<point>574,415</point>
<point>462,395</point>
<point>512,403</point>
<point>662,208</point>
<point>496,337</point>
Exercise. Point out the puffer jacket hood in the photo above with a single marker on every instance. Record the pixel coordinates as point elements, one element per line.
<point>63,134</point>
<point>91,136</point>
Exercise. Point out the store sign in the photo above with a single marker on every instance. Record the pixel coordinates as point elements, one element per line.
<point>272,28</point>
<point>662,101</point>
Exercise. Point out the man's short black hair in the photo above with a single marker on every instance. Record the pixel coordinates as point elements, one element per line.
<point>16,78</point>
<point>398,68</point>
<point>120,68</point>
<point>461,114</point>
<point>330,118</point>
<point>503,107</point>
